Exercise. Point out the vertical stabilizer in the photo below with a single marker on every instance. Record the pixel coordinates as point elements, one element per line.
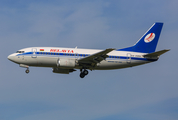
<point>148,42</point>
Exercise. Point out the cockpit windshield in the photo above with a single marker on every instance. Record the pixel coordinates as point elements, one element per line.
<point>20,52</point>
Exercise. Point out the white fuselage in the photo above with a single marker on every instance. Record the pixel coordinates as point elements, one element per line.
<point>66,60</point>
<point>48,57</point>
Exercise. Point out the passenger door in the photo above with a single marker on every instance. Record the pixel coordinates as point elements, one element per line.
<point>128,58</point>
<point>34,52</point>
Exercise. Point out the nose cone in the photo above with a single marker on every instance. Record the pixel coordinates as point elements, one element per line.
<point>11,57</point>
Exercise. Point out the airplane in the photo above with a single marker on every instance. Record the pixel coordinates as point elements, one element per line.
<point>67,60</point>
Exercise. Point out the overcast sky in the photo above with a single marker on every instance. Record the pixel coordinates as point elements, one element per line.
<point>147,92</point>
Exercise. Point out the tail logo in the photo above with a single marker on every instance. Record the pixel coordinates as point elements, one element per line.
<point>149,37</point>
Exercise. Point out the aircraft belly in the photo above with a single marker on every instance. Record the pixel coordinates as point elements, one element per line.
<point>47,61</point>
<point>27,60</point>
<point>107,65</point>
<point>40,61</point>
<point>110,65</point>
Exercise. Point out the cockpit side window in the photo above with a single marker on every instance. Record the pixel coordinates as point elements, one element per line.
<point>20,52</point>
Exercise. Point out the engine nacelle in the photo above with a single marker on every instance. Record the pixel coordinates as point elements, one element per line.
<point>66,63</point>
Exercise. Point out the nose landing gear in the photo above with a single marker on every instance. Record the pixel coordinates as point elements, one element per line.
<point>27,70</point>
<point>83,73</point>
<point>25,66</point>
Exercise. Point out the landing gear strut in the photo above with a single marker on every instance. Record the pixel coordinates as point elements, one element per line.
<point>25,66</point>
<point>83,73</point>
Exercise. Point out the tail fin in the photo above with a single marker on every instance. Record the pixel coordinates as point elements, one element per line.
<point>148,42</point>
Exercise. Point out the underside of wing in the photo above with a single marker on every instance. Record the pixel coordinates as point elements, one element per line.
<point>63,71</point>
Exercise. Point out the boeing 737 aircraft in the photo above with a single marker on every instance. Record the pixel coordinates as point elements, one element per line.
<point>67,60</point>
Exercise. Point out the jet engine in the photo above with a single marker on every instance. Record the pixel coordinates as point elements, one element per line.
<point>66,63</point>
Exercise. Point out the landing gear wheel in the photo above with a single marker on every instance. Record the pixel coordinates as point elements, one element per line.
<point>82,75</point>
<point>85,72</point>
<point>27,71</point>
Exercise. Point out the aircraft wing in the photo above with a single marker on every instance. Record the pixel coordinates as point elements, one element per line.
<point>95,58</point>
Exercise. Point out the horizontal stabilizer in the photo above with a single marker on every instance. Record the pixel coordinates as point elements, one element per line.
<point>156,54</point>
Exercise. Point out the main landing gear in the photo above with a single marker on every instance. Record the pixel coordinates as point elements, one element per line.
<point>83,73</point>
